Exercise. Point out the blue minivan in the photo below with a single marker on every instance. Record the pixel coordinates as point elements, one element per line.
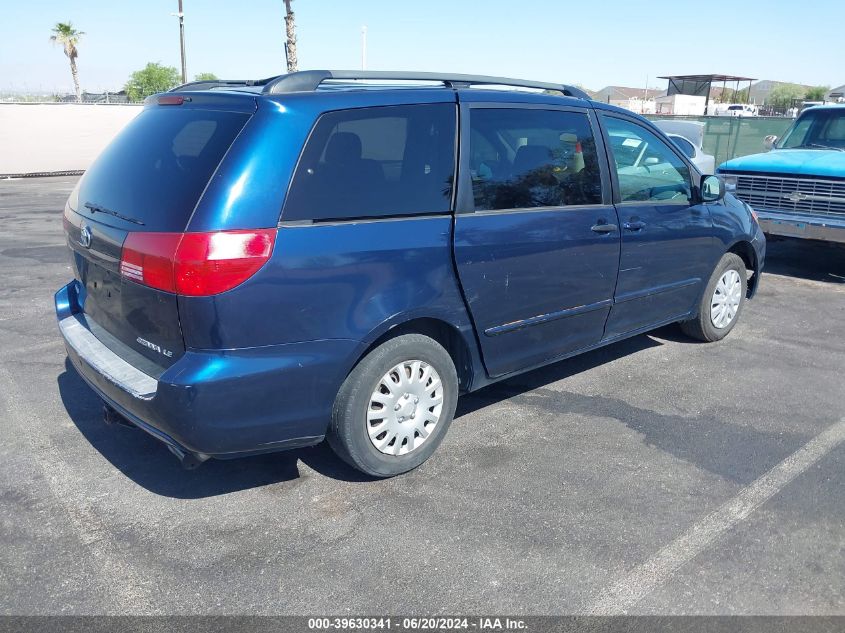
<point>261,265</point>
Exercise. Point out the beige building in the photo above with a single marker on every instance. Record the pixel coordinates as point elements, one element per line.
<point>837,95</point>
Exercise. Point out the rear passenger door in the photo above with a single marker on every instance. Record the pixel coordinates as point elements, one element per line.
<point>536,237</point>
<point>667,243</point>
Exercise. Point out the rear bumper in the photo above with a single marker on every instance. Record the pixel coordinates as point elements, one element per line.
<point>807,227</point>
<point>217,403</point>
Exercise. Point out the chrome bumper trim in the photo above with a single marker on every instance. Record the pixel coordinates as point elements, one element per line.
<point>111,366</point>
<point>788,225</point>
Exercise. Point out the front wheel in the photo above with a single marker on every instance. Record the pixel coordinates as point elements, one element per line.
<point>721,302</point>
<point>394,408</point>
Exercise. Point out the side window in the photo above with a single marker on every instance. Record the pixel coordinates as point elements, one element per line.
<point>833,134</point>
<point>522,158</point>
<point>376,162</point>
<point>646,167</point>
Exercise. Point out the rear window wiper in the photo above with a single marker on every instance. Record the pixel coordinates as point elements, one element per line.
<point>96,208</point>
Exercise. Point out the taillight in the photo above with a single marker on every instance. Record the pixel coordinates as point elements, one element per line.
<point>149,259</point>
<point>171,100</point>
<point>209,263</point>
<point>195,264</point>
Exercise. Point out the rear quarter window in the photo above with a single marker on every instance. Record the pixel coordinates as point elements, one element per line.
<point>376,162</point>
<point>156,169</point>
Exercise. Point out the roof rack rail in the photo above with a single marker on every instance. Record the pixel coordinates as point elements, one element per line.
<point>208,84</point>
<point>310,80</point>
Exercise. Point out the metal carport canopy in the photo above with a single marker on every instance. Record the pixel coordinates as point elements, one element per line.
<point>700,84</point>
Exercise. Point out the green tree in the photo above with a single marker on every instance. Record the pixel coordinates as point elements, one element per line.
<point>817,93</point>
<point>730,95</point>
<point>783,95</point>
<point>206,77</point>
<point>151,79</point>
<point>68,37</point>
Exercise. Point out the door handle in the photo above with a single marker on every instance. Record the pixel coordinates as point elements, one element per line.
<point>636,225</point>
<point>602,227</point>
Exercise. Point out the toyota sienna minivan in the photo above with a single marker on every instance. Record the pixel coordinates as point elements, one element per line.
<point>262,265</point>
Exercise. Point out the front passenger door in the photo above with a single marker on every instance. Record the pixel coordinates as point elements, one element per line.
<point>667,243</point>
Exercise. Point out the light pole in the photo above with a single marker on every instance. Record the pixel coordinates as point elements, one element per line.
<point>181,16</point>
<point>364,47</point>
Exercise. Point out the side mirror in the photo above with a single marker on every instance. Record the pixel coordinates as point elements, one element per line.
<point>712,188</point>
<point>769,141</point>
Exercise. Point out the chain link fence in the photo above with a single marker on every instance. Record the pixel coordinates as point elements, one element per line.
<point>729,137</point>
<point>86,97</point>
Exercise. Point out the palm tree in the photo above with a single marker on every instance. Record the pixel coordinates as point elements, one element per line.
<point>68,37</point>
<point>290,33</point>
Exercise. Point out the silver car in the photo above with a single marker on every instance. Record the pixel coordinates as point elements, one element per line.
<point>689,137</point>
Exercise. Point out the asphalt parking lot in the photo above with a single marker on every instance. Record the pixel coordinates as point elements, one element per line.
<point>655,476</point>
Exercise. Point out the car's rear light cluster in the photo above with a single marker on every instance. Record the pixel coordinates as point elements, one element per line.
<point>195,264</point>
<point>171,100</point>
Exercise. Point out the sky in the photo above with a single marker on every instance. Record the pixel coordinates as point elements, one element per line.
<point>592,43</point>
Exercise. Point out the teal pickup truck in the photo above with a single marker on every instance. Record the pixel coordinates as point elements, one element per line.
<point>798,187</point>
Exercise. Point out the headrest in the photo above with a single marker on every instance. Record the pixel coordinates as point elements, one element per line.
<point>529,157</point>
<point>343,147</point>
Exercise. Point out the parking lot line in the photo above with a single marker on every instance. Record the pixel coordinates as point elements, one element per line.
<point>641,581</point>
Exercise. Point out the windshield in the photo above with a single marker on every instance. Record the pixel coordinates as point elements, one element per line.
<point>817,129</point>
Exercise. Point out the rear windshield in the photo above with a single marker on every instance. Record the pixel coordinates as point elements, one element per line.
<point>153,173</point>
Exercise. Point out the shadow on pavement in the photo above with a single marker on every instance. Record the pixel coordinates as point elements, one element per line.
<point>563,369</point>
<point>149,464</point>
<point>710,440</point>
<point>817,261</point>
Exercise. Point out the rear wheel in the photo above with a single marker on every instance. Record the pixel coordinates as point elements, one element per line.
<point>394,408</point>
<point>721,302</point>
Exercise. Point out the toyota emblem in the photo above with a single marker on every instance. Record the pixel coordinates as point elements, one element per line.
<point>85,236</point>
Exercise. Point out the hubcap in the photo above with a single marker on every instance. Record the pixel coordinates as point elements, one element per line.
<point>405,407</point>
<point>726,299</point>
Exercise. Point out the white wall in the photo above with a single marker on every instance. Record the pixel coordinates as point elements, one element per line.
<point>40,137</point>
<point>677,104</point>
<point>635,104</point>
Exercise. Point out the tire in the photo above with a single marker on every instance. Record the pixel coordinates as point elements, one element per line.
<point>710,324</point>
<point>372,401</point>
